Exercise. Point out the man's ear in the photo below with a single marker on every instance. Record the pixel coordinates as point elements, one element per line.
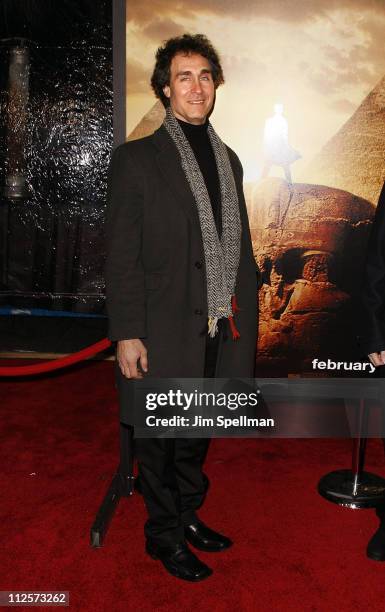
<point>167,91</point>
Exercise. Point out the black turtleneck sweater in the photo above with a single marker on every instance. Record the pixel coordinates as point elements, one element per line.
<point>199,141</point>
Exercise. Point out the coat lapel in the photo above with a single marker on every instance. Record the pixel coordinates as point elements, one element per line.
<point>169,163</point>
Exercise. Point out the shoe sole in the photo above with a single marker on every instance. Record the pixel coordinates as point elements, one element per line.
<point>375,557</point>
<point>174,572</point>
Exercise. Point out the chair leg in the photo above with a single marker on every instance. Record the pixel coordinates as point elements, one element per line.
<point>126,465</point>
<point>120,486</point>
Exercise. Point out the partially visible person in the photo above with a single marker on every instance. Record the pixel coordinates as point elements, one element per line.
<point>372,332</point>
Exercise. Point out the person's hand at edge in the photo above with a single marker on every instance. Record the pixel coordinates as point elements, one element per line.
<point>377,359</point>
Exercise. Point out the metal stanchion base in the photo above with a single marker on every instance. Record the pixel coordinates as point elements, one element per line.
<point>338,487</point>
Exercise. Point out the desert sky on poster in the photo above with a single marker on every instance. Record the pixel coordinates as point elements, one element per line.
<point>319,59</point>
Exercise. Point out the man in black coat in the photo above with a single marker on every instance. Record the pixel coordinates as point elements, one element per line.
<point>181,284</point>
<point>372,332</point>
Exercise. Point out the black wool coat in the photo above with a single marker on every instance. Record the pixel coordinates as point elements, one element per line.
<point>371,313</point>
<point>155,270</point>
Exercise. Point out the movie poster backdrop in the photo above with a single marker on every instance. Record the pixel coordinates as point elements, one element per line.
<point>303,106</point>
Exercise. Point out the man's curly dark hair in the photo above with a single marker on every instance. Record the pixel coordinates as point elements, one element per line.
<point>188,43</point>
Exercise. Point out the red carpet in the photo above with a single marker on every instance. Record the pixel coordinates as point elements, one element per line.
<point>293,550</point>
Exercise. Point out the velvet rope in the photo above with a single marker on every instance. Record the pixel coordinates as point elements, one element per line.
<point>56,364</point>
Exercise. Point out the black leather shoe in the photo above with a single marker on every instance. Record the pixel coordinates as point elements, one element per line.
<point>376,546</point>
<point>179,561</point>
<point>204,538</point>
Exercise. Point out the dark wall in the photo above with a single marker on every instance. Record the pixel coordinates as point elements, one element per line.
<point>56,139</point>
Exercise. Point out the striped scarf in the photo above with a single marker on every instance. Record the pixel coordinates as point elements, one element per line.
<point>221,255</point>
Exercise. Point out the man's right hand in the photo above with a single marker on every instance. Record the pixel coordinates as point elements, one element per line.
<point>128,353</point>
<point>377,359</point>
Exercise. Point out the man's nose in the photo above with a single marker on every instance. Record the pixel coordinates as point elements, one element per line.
<point>196,85</point>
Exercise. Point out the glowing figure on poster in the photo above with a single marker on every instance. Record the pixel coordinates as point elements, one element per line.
<point>276,148</point>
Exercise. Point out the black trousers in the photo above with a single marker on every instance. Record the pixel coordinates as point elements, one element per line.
<point>171,476</point>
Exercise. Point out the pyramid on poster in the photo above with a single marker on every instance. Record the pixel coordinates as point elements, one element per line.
<point>353,159</point>
<point>149,123</point>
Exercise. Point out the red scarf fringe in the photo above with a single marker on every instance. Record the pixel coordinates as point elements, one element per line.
<point>235,308</point>
<point>234,304</point>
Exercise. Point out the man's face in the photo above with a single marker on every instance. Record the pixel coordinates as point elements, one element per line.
<point>191,90</point>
